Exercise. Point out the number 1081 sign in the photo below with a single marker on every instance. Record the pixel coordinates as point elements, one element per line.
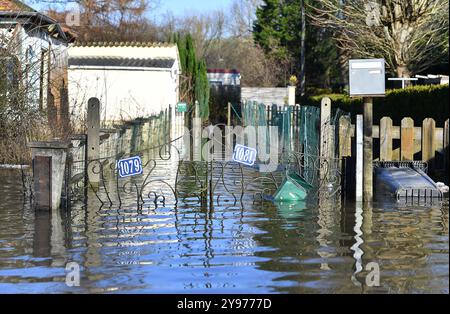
<point>129,167</point>
<point>244,155</point>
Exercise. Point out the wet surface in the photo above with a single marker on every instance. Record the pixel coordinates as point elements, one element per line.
<point>253,247</point>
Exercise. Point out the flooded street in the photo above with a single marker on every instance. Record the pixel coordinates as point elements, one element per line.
<point>253,247</point>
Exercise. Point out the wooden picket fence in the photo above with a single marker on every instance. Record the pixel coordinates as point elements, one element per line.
<point>406,142</point>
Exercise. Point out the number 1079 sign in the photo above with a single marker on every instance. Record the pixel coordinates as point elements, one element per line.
<point>129,167</point>
<point>244,155</point>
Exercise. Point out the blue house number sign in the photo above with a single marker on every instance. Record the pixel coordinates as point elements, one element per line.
<point>244,155</point>
<point>129,167</point>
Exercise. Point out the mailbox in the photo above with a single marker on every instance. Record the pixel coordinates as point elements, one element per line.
<point>367,77</point>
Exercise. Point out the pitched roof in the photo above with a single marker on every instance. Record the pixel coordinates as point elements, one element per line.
<point>122,62</point>
<point>15,6</point>
<point>34,18</point>
<point>231,71</point>
<point>123,44</point>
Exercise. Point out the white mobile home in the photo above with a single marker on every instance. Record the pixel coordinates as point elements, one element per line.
<point>131,80</point>
<point>223,77</point>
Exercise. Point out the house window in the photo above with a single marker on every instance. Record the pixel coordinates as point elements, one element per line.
<point>213,82</point>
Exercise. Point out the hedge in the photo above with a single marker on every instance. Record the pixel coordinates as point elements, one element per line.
<point>418,102</point>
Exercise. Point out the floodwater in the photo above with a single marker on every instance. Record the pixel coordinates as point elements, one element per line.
<point>253,247</point>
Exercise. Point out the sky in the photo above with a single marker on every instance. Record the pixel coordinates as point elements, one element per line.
<point>179,7</point>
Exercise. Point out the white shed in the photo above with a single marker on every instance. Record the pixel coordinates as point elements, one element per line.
<point>131,80</point>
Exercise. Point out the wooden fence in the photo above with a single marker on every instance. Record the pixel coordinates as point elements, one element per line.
<point>336,136</point>
<point>406,142</point>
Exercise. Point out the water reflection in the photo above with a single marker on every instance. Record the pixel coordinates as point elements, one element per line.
<point>302,247</point>
<point>42,234</point>
<point>358,252</point>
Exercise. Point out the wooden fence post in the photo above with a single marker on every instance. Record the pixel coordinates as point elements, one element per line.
<point>93,141</point>
<point>345,143</point>
<point>368,149</point>
<point>407,139</point>
<point>428,139</point>
<point>446,149</point>
<point>386,139</point>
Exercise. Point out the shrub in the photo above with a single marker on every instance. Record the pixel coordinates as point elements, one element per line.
<point>418,102</point>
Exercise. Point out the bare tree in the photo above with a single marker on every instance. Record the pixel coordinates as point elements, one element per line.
<point>243,54</point>
<point>411,35</point>
<point>204,28</point>
<point>224,40</point>
<point>241,17</point>
<point>107,20</point>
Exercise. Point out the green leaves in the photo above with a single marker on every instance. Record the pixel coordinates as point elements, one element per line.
<point>278,30</point>
<point>202,90</point>
<point>418,102</point>
<point>196,85</point>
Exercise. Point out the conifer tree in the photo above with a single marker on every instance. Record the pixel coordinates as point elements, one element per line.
<point>202,90</point>
<point>194,83</point>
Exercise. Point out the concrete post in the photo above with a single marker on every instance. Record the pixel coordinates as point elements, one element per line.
<point>49,162</point>
<point>291,95</point>
<point>326,145</point>
<point>229,115</point>
<point>197,132</point>
<point>93,144</point>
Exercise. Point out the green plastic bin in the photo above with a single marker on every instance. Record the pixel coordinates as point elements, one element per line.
<point>293,188</point>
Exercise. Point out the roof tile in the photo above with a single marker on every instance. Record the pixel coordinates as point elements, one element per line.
<point>122,44</point>
<point>122,62</point>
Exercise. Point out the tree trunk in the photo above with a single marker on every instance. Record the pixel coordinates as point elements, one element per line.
<point>302,52</point>
<point>403,71</point>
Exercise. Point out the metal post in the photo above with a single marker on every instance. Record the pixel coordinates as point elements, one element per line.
<point>359,158</point>
<point>368,149</point>
<point>229,115</point>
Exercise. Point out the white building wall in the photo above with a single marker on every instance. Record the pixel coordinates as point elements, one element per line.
<point>224,78</point>
<point>124,94</point>
<point>29,52</point>
<point>266,95</point>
